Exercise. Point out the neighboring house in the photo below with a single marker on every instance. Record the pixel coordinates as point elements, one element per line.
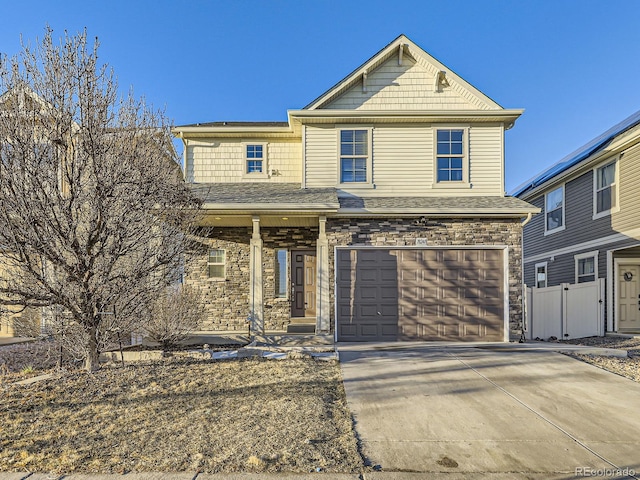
<point>376,212</point>
<point>590,225</point>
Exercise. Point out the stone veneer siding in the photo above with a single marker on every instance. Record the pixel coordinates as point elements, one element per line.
<point>228,300</point>
<point>403,232</point>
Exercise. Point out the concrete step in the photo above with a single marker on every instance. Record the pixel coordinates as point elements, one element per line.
<point>301,328</point>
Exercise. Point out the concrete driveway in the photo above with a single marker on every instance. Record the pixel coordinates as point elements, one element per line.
<point>490,413</point>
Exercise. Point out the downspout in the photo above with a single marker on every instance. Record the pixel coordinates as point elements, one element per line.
<point>524,286</point>
<point>184,155</point>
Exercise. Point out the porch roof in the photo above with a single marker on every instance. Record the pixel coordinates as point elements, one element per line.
<point>265,196</point>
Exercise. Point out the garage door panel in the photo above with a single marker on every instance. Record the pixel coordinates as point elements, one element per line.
<point>429,294</point>
<point>389,275</point>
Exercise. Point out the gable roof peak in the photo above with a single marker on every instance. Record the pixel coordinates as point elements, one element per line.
<point>401,45</point>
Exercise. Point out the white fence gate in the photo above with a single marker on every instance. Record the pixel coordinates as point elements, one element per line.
<point>566,311</point>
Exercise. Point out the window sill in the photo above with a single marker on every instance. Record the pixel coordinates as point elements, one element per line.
<point>555,230</point>
<point>357,186</point>
<point>605,213</point>
<point>456,185</point>
<point>214,279</point>
<point>254,175</point>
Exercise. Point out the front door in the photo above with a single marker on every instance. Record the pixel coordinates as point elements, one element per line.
<point>628,298</point>
<point>303,283</point>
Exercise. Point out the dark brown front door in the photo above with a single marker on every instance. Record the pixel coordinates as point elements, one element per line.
<point>303,283</point>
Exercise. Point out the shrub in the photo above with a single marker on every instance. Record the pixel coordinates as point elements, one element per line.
<point>175,316</point>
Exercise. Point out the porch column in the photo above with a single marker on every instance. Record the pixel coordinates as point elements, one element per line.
<point>255,279</point>
<point>323,319</point>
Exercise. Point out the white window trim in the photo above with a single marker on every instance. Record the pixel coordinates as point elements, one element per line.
<point>287,281</point>
<point>265,158</point>
<point>580,256</point>
<point>224,265</point>
<point>564,210</point>
<point>535,274</point>
<point>464,183</point>
<point>616,183</point>
<point>354,185</point>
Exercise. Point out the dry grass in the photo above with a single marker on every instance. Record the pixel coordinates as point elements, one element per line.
<point>25,360</point>
<point>251,415</point>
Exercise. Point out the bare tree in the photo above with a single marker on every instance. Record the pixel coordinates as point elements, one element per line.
<point>175,316</point>
<point>93,211</point>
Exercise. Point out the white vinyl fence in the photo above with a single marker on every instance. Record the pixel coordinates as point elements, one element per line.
<point>566,311</point>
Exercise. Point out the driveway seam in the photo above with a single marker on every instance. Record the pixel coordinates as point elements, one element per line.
<point>538,414</point>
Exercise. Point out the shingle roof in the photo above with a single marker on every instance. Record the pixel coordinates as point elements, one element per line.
<point>583,153</point>
<point>237,124</point>
<point>460,204</point>
<point>265,193</point>
<point>291,195</point>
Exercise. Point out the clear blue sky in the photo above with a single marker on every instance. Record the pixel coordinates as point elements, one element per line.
<point>573,65</point>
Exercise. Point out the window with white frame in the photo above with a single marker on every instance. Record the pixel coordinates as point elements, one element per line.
<point>586,267</point>
<point>355,156</point>
<point>541,275</point>
<point>255,155</point>
<point>554,210</point>
<point>450,155</point>
<point>281,273</point>
<point>605,189</point>
<point>216,263</point>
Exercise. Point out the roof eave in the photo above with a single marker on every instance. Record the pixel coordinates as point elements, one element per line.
<point>300,208</point>
<point>208,131</point>
<point>438,212</point>
<point>431,116</point>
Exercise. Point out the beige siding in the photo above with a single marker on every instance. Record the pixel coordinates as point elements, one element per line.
<point>223,161</point>
<point>486,165</point>
<point>629,179</point>
<point>321,151</point>
<point>409,86</point>
<point>403,161</point>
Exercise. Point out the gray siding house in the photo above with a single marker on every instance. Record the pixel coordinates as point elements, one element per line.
<point>589,227</point>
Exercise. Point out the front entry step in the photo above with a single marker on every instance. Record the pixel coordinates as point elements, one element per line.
<point>302,325</point>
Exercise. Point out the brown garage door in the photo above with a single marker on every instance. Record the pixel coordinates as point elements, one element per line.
<point>420,294</point>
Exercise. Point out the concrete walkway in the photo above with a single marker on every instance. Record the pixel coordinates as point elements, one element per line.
<point>487,411</point>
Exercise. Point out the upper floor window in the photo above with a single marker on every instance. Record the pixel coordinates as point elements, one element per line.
<point>216,263</point>
<point>255,155</point>
<point>355,156</point>
<point>604,189</point>
<point>554,210</point>
<point>450,155</point>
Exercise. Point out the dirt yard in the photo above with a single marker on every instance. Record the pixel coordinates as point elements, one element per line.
<point>628,367</point>
<point>229,416</point>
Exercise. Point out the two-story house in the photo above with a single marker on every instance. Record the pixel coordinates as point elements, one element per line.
<point>590,225</point>
<point>376,212</point>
